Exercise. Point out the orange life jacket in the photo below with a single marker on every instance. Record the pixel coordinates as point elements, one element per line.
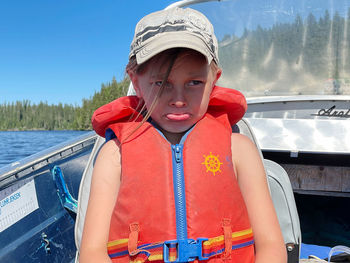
<point>178,202</point>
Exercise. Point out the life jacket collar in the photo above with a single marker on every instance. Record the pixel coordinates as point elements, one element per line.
<point>223,101</point>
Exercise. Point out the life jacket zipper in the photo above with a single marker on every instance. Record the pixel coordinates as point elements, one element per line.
<point>179,192</point>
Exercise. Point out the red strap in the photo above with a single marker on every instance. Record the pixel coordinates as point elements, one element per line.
<point>226,225</point>
<point>133,238</point>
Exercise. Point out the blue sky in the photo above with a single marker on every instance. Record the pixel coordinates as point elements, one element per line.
<point>62,51</point>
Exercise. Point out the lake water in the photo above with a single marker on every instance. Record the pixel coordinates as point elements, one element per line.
<point>15,145</point>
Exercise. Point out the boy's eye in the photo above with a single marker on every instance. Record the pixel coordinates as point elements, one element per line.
<point>158,83</point>
<point>195,82</point>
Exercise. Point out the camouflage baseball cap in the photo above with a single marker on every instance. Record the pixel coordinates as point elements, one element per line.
<point>174,28</point>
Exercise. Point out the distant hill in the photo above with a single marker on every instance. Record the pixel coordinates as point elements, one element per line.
<point>22,115</point>
<point>293,57</point>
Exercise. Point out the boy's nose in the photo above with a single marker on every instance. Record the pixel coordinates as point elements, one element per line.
<point>178,99</point>
<point>179,104</point>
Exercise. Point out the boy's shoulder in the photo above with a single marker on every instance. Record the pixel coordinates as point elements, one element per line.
<point>110,151</point>
<point>239,138</point>
<point>242,145</point>
<point>112,144</point>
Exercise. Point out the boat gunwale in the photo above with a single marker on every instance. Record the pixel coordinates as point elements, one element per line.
<point>296,98</point>
<point>12,172</point>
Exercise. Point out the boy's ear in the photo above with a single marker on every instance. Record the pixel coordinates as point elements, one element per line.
<point>135,83</point>
<point>217,76</point>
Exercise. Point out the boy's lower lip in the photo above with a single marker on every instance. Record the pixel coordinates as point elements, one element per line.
<point>178,117</point>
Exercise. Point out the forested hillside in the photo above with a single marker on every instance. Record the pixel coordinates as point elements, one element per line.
<point>22,115</point>
<point>295,56</point>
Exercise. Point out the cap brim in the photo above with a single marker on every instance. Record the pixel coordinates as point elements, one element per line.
<point>170,40</point>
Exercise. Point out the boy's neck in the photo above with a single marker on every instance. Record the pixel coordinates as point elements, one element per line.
<point>173,138</point>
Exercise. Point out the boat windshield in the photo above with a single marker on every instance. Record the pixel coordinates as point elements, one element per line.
<point>280,47</point>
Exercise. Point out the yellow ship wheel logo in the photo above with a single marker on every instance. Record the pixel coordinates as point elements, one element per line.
<point>212,163</point>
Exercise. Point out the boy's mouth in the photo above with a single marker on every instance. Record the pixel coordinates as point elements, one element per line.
<point>178,117</point>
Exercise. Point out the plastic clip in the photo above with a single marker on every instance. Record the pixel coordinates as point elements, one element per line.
<point>186,250</point>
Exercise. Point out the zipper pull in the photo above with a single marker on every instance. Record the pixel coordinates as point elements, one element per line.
<point>177,151</point>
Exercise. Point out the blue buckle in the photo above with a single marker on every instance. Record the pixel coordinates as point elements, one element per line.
<point>187,250</point>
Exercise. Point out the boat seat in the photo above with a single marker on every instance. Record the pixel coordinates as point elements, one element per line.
<point>84,193</point>
<point>278,182</point>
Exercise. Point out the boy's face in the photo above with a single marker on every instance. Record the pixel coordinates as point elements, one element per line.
<point>185,97</point>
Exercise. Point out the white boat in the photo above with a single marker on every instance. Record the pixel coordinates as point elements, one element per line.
<point>291,59</point>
